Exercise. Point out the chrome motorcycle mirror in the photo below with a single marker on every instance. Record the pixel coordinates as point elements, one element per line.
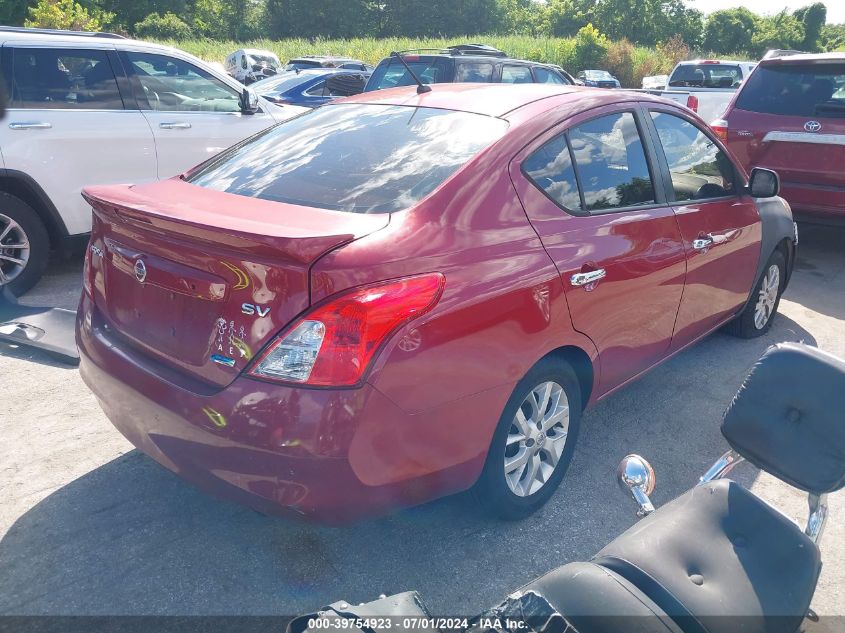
<point>636,477</point>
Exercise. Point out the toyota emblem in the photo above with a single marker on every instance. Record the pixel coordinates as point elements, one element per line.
<point>812,126</point>
<point>140,271</point>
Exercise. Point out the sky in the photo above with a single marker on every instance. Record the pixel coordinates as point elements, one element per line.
<point>835,8</point>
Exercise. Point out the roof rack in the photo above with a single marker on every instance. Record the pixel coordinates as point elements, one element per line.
<point>22,29</point>
<point>477,49</point>
<point>460,49</point>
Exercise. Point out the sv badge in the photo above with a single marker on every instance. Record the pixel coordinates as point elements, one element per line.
<point>251,310</point>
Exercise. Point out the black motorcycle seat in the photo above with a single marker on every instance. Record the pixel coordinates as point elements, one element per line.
<point>597,600</point>
<point>787,417</point>
<point>718,551</point>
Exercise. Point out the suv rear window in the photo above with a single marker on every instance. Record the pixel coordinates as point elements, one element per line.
<point>803,90</point>
<point>360,158</point>
<point>706,76</point>
<point>391,73</point>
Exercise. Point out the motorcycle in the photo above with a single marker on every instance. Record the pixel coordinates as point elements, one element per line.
<point>717,559</point>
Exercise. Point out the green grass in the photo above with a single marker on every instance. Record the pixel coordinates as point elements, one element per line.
<point>552,50</point>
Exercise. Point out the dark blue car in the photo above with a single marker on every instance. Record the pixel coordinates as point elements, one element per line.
<point>311,88</point>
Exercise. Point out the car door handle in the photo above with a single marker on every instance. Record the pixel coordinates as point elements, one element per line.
<point>30,125</point>
<point>702,243</point>
<point>583,279</point>
<point>175,125</point>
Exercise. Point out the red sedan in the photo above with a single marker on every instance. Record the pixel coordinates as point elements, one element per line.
<point>400,296</point>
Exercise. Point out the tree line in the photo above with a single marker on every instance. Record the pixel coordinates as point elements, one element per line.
<point>642,22</point>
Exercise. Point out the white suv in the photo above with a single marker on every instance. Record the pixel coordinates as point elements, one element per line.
<point>97,108</point>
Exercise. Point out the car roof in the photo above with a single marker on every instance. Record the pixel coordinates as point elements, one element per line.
<point>806,57</point>
<point>711,62</point>
<point>493,99</point>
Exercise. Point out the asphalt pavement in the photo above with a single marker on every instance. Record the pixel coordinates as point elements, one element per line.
<point>88,525</point>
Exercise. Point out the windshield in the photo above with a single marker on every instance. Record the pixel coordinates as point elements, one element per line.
<point>359,158</point>
<point>391,73</point>
<point>706,76</point>
<point>270,60</point>
<point>804,90</point>
<point>598,74</point>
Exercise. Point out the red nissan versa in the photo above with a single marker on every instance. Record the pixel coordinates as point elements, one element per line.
<point>790,116</point>
<point>399,296</point>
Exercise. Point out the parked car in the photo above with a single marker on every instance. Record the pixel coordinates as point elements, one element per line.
<point>655,82</point>
<point>312,88</point>
<point>249,65</point>
<point>98,108</point>
<point>597,79</point>
<point>790,116</point>
<point>327,61</point>
<point>464,63</point>
<point>706,86</point>
<point>399,296</point>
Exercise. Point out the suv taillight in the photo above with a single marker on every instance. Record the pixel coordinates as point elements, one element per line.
<point>333,343</point>
<point>720,127</point>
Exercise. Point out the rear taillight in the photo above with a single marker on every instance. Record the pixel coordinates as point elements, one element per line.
<point>333,344</point>
<point>88,269</point>
<point>692,103</point>
<point>720,127</point>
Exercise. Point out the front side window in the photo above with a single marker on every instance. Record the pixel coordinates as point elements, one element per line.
<point>547,76</point>
<point>516,75</point>
<point>611,163</point>
<point>56,78</point>
<point>392,73</point>
<point>699,169</point>
<point>168,84</point>
<point>551,169</point>
<point>360,158</point>
<point>475,72</point>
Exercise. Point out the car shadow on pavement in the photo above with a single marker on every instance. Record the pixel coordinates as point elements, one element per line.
<point>818,281</point>
<point>131,538</point>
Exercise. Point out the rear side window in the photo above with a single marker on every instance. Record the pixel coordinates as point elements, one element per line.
<point>699,169</point>
<point>706,76</point>
<point>805,90</point>
<point>391,73</point>
<point>516,75</point>
<point>474,72</point>
<point>551,169</point>
<point>57,78</point>
<point>611,163</point>
<point>359,158</point>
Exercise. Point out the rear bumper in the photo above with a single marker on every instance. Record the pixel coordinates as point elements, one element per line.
<point>815,201</point>
<point>281,450</point>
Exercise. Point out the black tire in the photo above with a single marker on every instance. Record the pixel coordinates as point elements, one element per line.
<point>492,489</point>
<point>746,324</point>
<point>36,235</point>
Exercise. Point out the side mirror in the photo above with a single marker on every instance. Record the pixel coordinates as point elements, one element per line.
<point>636,477</point>
<point>764,183</point>
<point>248,101</point>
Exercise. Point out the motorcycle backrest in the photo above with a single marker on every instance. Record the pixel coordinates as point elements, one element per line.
<point>788,417</point>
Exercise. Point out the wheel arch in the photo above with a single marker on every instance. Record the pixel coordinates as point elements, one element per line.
<point>581,363</point>
<point>23,186</point>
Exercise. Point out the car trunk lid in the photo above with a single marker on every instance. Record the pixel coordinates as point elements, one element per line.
<point>201,280</point>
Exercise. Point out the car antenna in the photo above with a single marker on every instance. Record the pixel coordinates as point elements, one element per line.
<point>421,87</point>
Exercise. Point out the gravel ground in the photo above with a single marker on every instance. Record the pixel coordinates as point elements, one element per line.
<point>90,526</point>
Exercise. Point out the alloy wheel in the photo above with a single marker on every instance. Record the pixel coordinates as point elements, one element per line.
<point>536,439</point>
<point>14,249</point>
<point>767,297</point>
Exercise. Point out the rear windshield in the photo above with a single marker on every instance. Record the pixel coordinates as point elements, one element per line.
<point>706,76</point>
<point>805,90</point>
<point>391,73</point>
<point>360,158</point>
